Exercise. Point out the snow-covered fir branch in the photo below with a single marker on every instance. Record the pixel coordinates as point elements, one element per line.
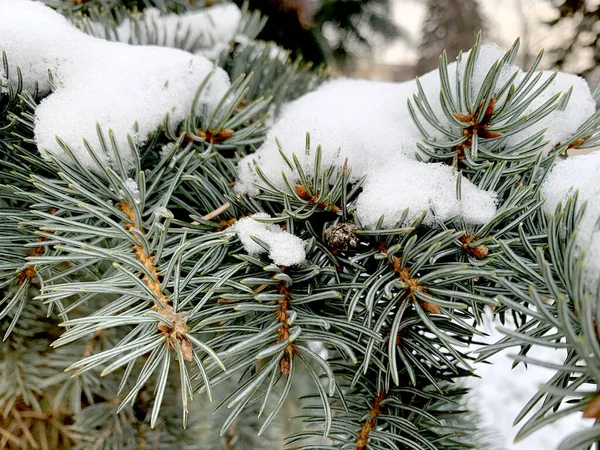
<point>203,239</point>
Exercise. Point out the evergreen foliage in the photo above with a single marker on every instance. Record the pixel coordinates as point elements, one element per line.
<point>328,31</point>
<point>125,291</point>
<point>578,17</point>
<point>355,25</point>
<point>449,26</point>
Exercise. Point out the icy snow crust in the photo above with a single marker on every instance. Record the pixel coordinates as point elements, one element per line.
<point>285,248</point>
<point>109,83</point>
<point>207,32</point>
<point>369,123</point>
<point>580,173</point>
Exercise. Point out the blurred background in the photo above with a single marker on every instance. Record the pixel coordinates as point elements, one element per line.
<point>395,40</point>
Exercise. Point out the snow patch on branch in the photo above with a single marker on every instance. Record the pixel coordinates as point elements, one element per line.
<point>579,173</point>
<point>207,32</point>
<point>370,125</point>
<point>285,249</point>
<point>99,82</point>
<point>556,126</point>
<point>420,187</point>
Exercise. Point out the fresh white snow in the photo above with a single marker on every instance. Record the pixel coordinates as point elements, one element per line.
<point>559,125</point>
<point>109,83</point>
<point>419,186</point>
<point>580,173</point>
<point>208,31</point>
<point>285,249</point>
<point>36,39</point>
<point>363,121</point>
<point>369,125</point>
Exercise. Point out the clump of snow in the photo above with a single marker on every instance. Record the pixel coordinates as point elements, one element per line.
<point>559,125</point>
<point>580,173</point>
<point>285,249</point>
<point>36,39</point>
<point>207,32</point>
<point>110,83</point>
<point>369,125</point>
<point>418,186</point>
<point>498,399</point>
<point>363,121</point>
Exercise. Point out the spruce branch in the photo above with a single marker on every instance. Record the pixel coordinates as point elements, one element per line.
<point>371,417</point>
<point>556,312</point>
<point>140,264</point>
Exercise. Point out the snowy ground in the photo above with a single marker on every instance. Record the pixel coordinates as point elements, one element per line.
<point>502,392</point>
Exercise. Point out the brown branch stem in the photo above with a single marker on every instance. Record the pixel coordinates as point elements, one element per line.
<point>177,331</point>
<point>369,424</point>
<point>284,331</point>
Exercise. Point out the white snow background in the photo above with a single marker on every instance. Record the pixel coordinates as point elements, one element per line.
<point>116,84</point>
<point>285,249</point>
<point>501,392</point>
